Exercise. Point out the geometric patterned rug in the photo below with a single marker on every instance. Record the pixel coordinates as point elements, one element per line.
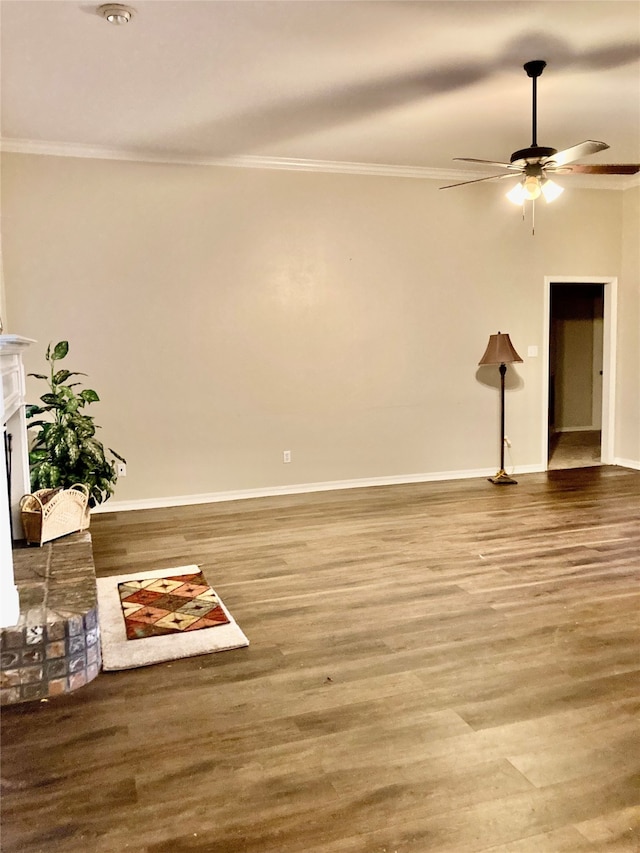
<point>168,605</point>
<point>170,613</point>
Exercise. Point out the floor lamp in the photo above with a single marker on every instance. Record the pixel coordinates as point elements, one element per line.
<point>500,351</point>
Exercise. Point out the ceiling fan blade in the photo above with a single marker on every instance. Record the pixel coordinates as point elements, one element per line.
<point>488,162</point>
<point>475,181</point>
<point>583,149</point>
<point>597,169</point>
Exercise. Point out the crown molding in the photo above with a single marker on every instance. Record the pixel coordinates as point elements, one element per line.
<point>244,161</point>
<point>289,164</point>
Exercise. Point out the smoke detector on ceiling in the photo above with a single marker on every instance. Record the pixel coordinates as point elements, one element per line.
<point>116,13</point>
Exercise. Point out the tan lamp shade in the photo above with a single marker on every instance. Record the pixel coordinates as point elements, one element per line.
<point>499,350</point>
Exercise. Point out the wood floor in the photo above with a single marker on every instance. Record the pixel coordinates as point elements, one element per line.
<point>434,667</point>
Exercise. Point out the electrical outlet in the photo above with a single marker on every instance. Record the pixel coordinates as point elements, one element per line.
<point>121,469</point>
<point>286,456</point>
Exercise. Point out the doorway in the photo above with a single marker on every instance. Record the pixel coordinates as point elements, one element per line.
<point>575,375</point>
<point>579,372</point>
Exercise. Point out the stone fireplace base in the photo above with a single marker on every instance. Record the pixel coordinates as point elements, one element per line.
<point>55,646</point>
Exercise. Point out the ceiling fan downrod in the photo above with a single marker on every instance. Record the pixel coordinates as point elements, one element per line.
<point>534,153</point>
<point>534,69</point>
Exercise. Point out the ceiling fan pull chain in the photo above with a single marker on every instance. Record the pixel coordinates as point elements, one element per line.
<point>533,218</point>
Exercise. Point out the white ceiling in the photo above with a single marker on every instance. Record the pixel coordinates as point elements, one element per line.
<point>409,84</point>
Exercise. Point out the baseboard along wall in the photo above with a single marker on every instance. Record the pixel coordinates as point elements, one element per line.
<point>300,488</point>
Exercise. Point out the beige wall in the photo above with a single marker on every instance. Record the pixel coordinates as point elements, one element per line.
<point>574,379</point>
<point>628,427</point>
<point>225,315</point>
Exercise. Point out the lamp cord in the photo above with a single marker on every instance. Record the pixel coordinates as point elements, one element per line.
<point>511,462</point>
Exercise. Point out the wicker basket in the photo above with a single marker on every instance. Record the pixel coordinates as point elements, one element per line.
<point>50,513</point>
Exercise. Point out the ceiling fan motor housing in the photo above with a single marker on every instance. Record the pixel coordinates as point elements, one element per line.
<point>534,154</point>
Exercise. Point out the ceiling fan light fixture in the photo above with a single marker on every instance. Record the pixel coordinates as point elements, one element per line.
<point>551,190</point>
<point>517,194</point>
<point>531,187</point>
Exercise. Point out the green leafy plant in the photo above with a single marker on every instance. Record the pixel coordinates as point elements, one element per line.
<point>65,449</point>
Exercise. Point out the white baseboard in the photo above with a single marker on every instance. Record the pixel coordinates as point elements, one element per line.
<point>301,488</point>
<point>627,463</point>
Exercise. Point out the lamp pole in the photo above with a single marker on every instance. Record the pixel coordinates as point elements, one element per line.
<point>502,478</point>
<point>500,351</point>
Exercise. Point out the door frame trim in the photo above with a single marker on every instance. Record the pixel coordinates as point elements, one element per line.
<point>609,343</point>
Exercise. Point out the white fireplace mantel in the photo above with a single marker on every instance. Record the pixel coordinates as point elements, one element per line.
<point>12,418</point>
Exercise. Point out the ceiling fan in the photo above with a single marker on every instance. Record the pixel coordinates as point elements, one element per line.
<point>536,163</point>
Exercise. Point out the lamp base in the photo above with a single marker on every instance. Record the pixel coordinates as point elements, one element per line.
<point>503,479</point>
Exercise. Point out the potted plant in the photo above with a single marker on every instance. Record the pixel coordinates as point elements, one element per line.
<point>65,450</point>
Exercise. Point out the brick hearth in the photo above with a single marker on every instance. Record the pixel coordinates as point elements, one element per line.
<point>55,646</point>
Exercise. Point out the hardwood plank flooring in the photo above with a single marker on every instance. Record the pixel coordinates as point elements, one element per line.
<point>448,667</point>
